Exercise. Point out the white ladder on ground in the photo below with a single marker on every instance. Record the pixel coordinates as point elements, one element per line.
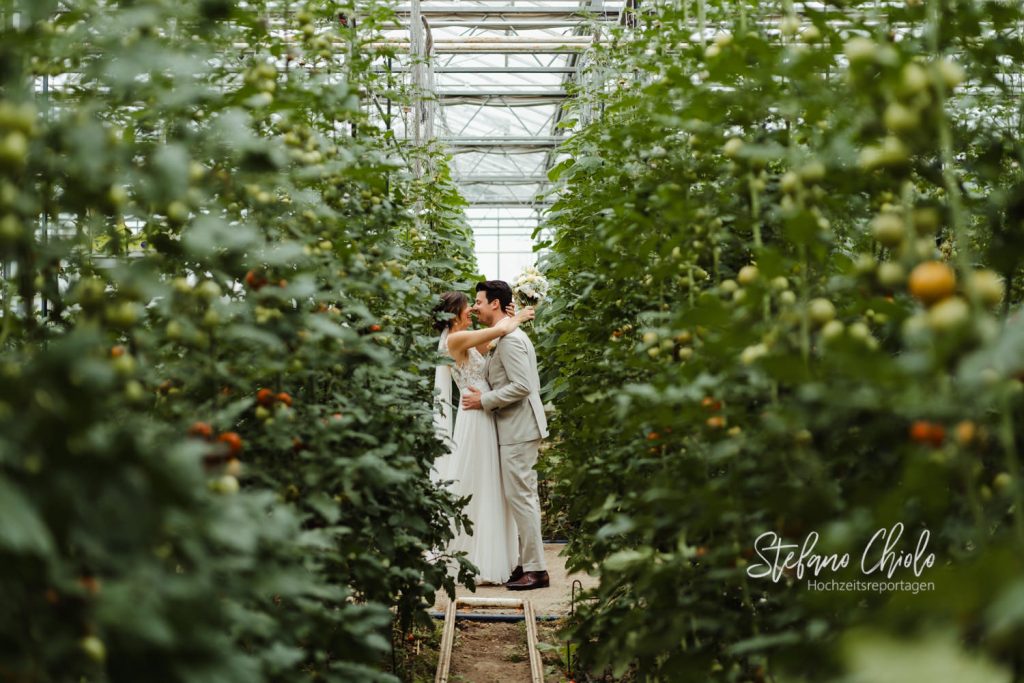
<point>448,637</point>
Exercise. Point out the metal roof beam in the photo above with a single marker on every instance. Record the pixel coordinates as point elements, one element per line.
<point>501,180</point>
<point>512,69</point>
<point>501,143</point>
<point>495,45</point>
<point>508,94</point>
<point>496,204</point>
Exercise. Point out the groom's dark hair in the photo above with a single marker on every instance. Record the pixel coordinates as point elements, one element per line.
<point>496,289</point>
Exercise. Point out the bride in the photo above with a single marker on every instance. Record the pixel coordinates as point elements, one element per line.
<point>471,465</point>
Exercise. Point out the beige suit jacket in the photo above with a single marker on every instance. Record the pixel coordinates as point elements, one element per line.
<point>514,398</point>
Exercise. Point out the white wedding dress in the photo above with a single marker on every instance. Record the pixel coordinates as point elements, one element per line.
<point>474,470</point>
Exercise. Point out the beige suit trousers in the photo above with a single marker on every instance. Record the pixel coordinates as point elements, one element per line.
<point>519,480</point>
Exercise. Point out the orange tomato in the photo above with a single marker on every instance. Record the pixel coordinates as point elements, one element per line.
<point>117,351</point>
<point>284,398</point>
<point>932,281</point>
<point>265,397</point>
<point>715,422</point>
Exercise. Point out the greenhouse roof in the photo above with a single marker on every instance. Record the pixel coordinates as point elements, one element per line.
<point>497,81</point>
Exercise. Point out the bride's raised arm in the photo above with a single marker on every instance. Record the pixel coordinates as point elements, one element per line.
<point>458,342</point>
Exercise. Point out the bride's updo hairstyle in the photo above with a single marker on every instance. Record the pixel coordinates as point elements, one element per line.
<point>451,302</point>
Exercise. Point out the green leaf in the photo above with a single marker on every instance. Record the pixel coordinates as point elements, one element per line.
<point>21,528</point>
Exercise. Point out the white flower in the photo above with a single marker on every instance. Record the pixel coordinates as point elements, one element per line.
<point>530,286</point>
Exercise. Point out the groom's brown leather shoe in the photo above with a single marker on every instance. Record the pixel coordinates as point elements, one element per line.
<point>529,581</point>
<point>517,574</point>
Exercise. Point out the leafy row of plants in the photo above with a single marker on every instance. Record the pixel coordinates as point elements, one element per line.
<point>786,259</point>
<point>215,349</point>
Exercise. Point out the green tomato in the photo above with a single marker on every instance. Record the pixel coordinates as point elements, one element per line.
<point>926,220</point>
<point>208,290</point>
<point>900,118</point>
<point>952,73</point>
<point>891,274</point>
<point>811,34</point>
<point>211,319</point>
<point>732,147</point>
<point>11,231</point>
<point>888,229</point>
<point>859,331</point>
<point>21,118</point>
<point>913,78</point>
<point>860,49</point>
<point>174,330</point>
<point>832,330</point>
<point>117,196</point>
<point>821,311</point>
<point>122,315</point>
<point>227,485</point>
<point>124,365</point>
<point>93,648</point>
<point>865,264</point>
<point>13,150</point>
<point>789,25</point>
<point>748,275</point>
<point>134,391</point>
<point>949,314</point>
<point>181,286</point>
<point>813,172</point>
<point>177,212</point>
<point>790,183</point>
<point>987,286</point>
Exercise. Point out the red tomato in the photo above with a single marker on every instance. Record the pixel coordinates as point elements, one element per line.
<point>233,441</point>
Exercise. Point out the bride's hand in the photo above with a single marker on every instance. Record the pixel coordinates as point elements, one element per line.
<point>527,313</point>
<point>507,325</point>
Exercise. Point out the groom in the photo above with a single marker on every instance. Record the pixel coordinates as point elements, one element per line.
<point>514,400</point>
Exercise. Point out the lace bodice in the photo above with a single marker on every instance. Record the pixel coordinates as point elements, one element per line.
<point>470,373</point>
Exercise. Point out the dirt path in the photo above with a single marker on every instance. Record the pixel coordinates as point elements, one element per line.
<point>492,652</point>
<point>489,653</point>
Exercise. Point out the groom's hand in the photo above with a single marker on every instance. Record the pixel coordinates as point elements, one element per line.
<point>471,399</point>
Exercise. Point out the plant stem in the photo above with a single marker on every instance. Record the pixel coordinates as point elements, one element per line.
<point>953,195</point>
<point>1008,437</point>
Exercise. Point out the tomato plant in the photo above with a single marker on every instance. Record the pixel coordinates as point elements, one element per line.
<point>766,222</point>
<point>199,229</point>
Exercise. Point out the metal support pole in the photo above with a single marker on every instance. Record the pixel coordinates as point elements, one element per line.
<point>418,50</point>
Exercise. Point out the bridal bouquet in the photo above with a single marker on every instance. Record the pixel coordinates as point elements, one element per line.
<point>530,287</point>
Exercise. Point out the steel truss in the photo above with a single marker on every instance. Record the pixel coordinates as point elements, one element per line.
<point>492,78</point>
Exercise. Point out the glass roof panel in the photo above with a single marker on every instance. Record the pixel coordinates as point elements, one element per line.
<point>498,75</point>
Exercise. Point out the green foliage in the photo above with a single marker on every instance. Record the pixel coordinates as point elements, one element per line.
<point>737,348</point>
<point>196,210</point>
